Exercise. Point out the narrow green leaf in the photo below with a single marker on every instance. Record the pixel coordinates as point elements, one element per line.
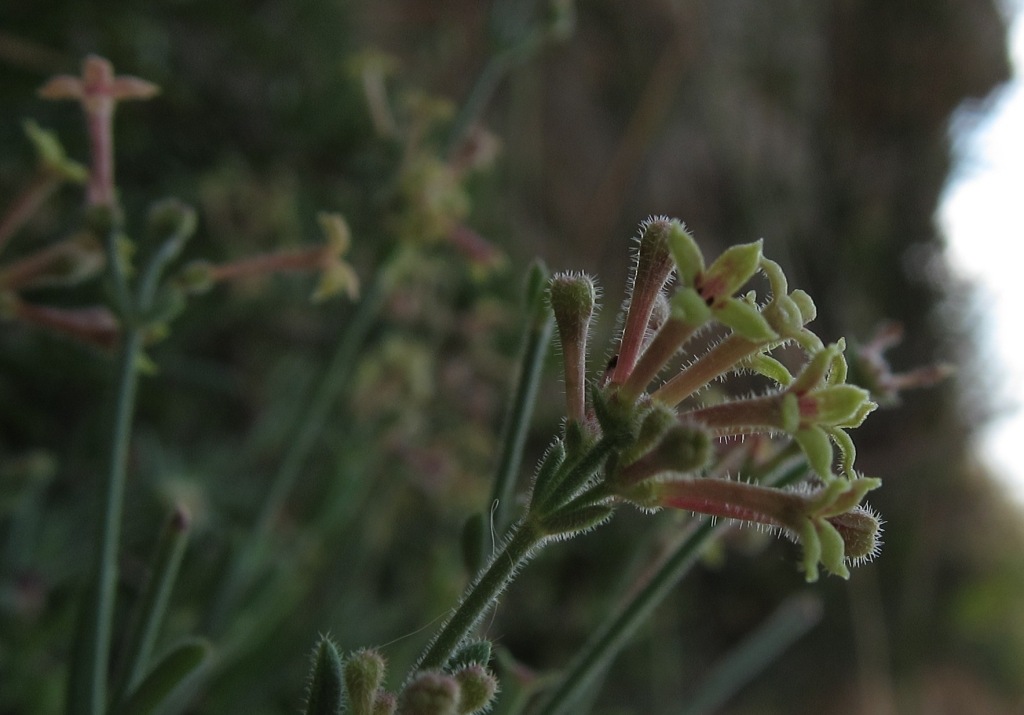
<point>170,672</point>
<point>326,685</point>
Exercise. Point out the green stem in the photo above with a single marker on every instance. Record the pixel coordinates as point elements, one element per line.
<point>608,640</point>
<point>336,377</point>
<point>788,623</point>
<point>88,686</point>
<point>154,600</point>
<point>622,624</point>
<point>481,596</point>
<point>535,347</point>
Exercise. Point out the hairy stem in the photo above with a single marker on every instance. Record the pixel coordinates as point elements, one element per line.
<point>535,346</point>
<point>481,596</point>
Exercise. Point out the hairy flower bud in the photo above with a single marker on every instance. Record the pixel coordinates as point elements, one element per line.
<point>729,272</point>
<point>573,298</point>
<point>683,448</point>
<point>478,688</point>
<point>430,693</point>
<point>364,673</point>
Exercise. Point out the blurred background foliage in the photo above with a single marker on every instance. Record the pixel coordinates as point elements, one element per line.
<point>822,126</point>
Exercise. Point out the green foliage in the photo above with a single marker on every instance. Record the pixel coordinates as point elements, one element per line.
<point>327,454</point>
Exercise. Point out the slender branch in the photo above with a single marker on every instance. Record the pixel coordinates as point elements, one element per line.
<point>88,686</point>
<point>336,377</point>
<point>535,346</point>
<point>481,596</point>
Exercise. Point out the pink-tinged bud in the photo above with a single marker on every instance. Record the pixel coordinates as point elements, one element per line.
<point>729,272</point>
<point>385,704</point>
<point>66,263</point>
<point>94,326</point>
<point>430,693</point>
<point>814,518</point>
<point>836,406</point>
<point>99,91</point>
<point>652,267</point>
<point>573,297</point>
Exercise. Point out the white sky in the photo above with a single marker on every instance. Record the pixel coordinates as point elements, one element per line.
<point>983,218</point>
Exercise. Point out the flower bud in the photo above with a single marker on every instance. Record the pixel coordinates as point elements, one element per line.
<point>364,673</point>
<point>836,406</point>
<point>572,297</point>
<point>384,703</point>
<point>861,531</point>
<point>652,267</point>
<point>478,688</point>
<point>430,693</point>
<point>729,272</point>
<point>683,448</point>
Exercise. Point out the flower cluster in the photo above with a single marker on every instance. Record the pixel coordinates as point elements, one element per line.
<point>669,443</point>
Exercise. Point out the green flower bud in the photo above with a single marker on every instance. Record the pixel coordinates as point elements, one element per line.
<point>656,422</point>
<point>364,673</point>
<point>684,448</point>
<point>837,406</point>
<point>572,297</point>
<point>478,687</point>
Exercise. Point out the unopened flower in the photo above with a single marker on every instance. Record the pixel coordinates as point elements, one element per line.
<point>99,90</point>
<point>336,275</point>
<point>95,326</point>
<point>828,521</point>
